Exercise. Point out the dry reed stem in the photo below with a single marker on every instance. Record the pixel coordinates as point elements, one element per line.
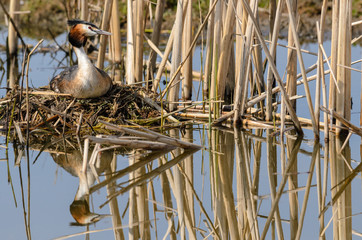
<point>156,49</point>
<point>27,91</point>
<point>209,53</point>
<point>84,10</point>
<point>103,38</point>
<point>187,38</point>
<point>161,66</point>
<point>139,22</point>
<point>217,30</point>
<point>155,39</point>
<point>131,143</point>
<point>320,69</point>
<point>13,24</point>
<point>173,94</point>
<point>334,49</point>
<point>116,33</point>
<point>344,121</point>
<point>130,45</point>
<point>155,105</point>
<point>153,136</point>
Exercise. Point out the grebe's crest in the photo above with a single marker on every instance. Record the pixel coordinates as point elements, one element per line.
<point>74,22</point>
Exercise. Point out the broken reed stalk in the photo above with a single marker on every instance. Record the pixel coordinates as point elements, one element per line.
<point>187,38</point>
<point>334,49</point>
<point>155,49</point>
<point>103,38</point>
<point>291,84</point>
<point>273,47</point>
<point>13,44</point>
<point>343,102</point>
<point>153,136</point>
<point>225,49</point>
<point>155,39</point>
<point>116,33</point>
<point>84,10</point>
<point>139,21</point>
<point>130,45</point>
<point>164,60</point>
<point>343,121</point>
<point>217,29</point>
<point>13,24</point>
<point>209,54</point>
<point>173,95</point>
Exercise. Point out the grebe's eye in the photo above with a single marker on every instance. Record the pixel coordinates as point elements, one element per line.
<point>90,28</point>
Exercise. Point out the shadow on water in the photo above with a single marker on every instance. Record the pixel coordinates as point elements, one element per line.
<point>245,185</point>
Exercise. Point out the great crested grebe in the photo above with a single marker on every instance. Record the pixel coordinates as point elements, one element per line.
<point>83,80</point>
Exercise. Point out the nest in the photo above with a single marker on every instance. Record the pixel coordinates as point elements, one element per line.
<point>63,113</point>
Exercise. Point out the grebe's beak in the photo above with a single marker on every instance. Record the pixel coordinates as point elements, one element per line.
<point>101,32</point>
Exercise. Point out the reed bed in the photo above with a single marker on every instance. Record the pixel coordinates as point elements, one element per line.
<point>240,84</point>
<point>232,74</point>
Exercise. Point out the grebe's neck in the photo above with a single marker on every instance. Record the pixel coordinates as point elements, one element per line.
<point>83,60</point>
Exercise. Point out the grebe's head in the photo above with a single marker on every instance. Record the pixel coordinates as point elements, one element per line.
<point>80,30</point>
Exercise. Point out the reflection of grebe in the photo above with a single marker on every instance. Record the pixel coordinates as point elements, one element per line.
<point>80,212</point>
<point>72,163</point>
<point>83,80</point>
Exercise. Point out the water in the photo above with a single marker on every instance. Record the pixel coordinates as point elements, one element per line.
<point>234,178</point>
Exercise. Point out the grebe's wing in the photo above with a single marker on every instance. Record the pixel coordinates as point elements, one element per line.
<point>103,73</point>
<point>61,82</point>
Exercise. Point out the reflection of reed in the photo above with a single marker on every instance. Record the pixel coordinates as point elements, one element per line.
<point>113,204</point>
<point>293,196</point>
<point>291,162</point>
<point>235,217</point>
<point>272,170</point>
<point>341,193</point>
<point>248,212</point>
<point>141,202</point>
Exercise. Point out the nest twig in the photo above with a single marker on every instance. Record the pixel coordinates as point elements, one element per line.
<point>58,113</point>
